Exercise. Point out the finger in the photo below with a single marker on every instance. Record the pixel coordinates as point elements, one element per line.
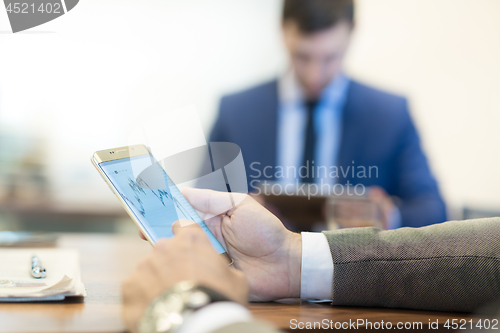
<point>181,224</point>
<point>376,193</point>
<point>191,232</point>
<point>142,235</point>
<point>212,202</point>
<point>259,198</point>
<point>215,226</point>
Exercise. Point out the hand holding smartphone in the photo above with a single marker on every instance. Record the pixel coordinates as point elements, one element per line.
<point>152,200</point>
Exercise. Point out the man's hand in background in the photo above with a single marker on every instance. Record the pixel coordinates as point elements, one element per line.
<point>379,196</point>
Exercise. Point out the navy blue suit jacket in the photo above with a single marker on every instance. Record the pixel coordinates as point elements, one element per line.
<point>376,131</point>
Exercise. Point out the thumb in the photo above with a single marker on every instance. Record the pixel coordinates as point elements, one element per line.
<point>209,203</point>
<point>179,224</point>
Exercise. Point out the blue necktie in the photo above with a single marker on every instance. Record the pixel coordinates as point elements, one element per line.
<point>310,143</point>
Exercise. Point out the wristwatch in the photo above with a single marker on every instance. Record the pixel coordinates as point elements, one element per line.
<point>168,311</point>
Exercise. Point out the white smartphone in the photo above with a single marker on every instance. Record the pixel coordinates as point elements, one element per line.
<point>153,208</point>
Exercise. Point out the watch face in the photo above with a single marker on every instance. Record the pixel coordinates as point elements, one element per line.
<point>164,315</point>
<point>198,299</point>
<point>169,322</point>
<point>168,310</point>
<point>169,303</point>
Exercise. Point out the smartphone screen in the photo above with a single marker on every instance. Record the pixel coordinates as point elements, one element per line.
<point>156,208</point>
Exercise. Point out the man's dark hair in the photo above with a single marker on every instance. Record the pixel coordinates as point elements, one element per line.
<point>315,15</point>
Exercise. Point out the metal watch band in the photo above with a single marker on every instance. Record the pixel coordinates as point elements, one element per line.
<point>166,313</point>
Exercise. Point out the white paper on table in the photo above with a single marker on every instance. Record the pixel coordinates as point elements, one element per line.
<point>62,269</point>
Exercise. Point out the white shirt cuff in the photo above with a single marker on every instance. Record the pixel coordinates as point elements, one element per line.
<point>316,281</point>
<point>215,316</point>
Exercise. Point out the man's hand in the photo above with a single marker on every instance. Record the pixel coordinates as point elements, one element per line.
<point>379,196</point>
<point>187,256</point>
<point>261,247</point>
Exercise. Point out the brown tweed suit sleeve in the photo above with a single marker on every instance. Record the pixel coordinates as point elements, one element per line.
<point>452,266</point>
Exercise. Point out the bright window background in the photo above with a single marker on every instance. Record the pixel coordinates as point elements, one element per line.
<point>80,83</point>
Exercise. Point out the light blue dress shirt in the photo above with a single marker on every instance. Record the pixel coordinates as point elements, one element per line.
<point>292,117</point>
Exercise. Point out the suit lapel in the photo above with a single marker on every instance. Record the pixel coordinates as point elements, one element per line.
<point>263,127</point>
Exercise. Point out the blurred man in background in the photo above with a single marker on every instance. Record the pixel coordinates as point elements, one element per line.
<point>316,125</point>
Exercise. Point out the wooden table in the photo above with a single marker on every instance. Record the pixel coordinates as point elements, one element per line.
<point>107,259</point>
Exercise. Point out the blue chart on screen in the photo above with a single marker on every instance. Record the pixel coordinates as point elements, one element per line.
<point>155,208</point>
